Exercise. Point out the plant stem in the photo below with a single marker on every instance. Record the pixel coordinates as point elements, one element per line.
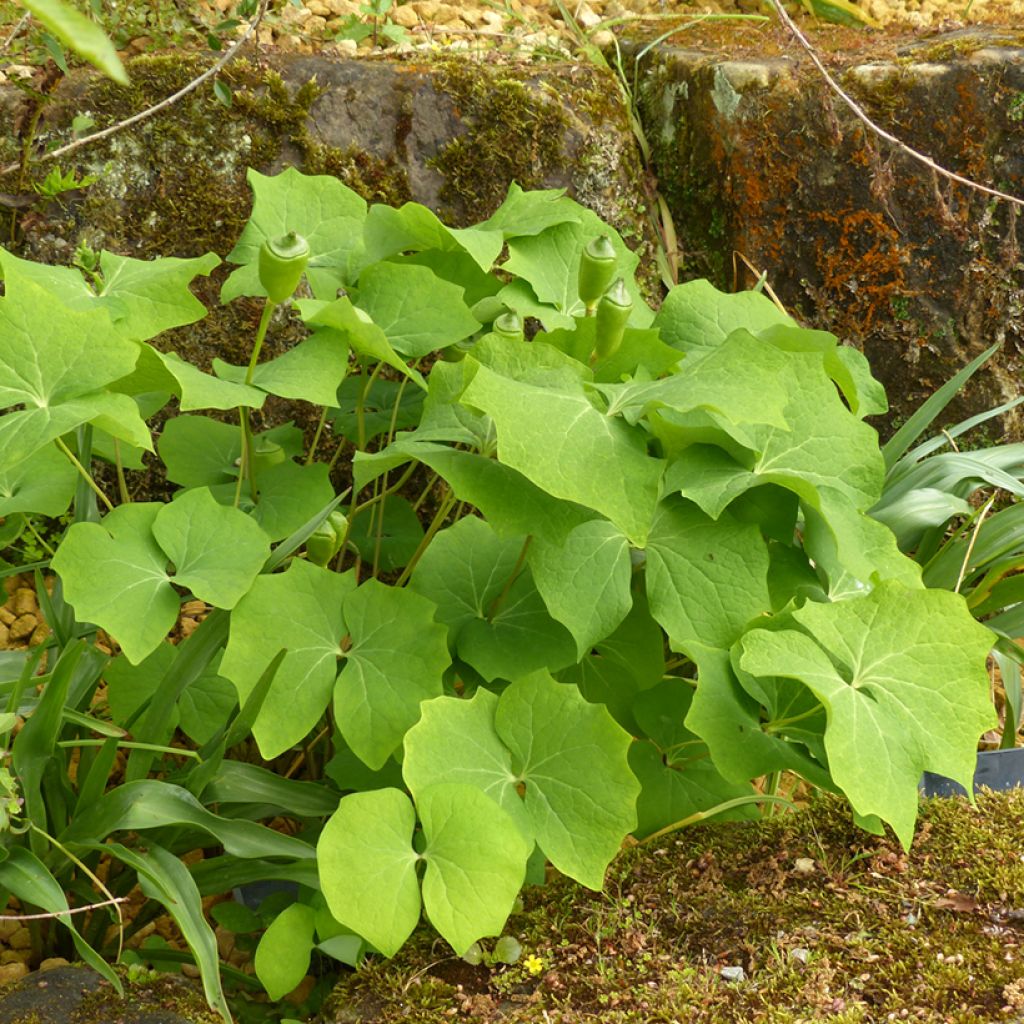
<point>512,577</point>
<point>247,464</point>
<point>396,486</point>
<point>435,524</point>
<point>35,533</point>
<point>434,477</point>
<point>122,484</point>
<point>261,332</point>
<point>316,435</point>
<point>728,805</point>
<point>84,472</point>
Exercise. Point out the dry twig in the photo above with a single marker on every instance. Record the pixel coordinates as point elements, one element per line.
<point>63,913</point>
<point>143,115</point>
<point>19,27</point>
<point>859,112</point>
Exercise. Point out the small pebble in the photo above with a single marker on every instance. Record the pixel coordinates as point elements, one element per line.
<point>801,954</point>
<point>803,866</point>
<point>733,974</point>
<point>13,972</point>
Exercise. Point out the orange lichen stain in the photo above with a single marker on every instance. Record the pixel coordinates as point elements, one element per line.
<point>862,259</point>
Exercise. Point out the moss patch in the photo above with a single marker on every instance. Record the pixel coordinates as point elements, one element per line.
<point>826,922</point>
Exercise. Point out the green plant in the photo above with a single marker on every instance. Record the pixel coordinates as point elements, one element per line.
<point>579,589</point>
<point>57,183</point>
<point>938,500</point>
<point>373,24</point>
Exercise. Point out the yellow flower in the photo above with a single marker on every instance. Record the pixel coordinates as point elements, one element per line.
<point>534,964</point>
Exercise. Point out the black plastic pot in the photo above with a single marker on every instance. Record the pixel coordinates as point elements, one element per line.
<point>997,769</point>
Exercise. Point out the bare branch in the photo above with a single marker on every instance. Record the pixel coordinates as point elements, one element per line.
<point>19,27</point>
<point>858,112</point>
<point>157,107</point>
<point>63,913</point>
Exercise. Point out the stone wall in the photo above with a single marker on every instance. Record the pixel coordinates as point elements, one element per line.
<point>755,156</point>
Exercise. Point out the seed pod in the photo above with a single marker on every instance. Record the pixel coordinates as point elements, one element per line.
<point>613,312</point>
<point>326,540</point>
<point>509,326</point>
<point>597,265</point>
<point>266,454</point>
<point>282,261</point>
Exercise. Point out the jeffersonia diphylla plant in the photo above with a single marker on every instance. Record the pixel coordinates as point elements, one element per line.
<point>577,586</point>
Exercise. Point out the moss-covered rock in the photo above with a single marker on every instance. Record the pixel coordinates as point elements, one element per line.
<point>78,995</point>
<point>811,918</point>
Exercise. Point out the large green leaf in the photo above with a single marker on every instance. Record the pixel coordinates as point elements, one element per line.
<point>742,740</point>
<point>696,315</point>
<point>368,867</point>
<point>290,494</point>
<point>475,864</point>
<point>115,573</point>
<point>847,366</point>
<point>198,390</point>
<point>328,214</point>
<point>43,485</point>
<point>414,228</point>
<point>397,656</point>
<point>415,309</point>
<point>148,297</point>
<point>743,380</point>
<point>49,353</point>
<point>497,619</point>
<point>585,580</point>
<point>143,298</point>
<point>561,442</point>
<point>514,506</point>
<point>568,756</point>
<point>312,632</point>
<point>706,579</point>
<point>361,333</point>
<point>309,372</point>
<point>902,676</point>
<point>25,432</point>
<point>198,451</point>
<point>531,212</point>
<point>217,551</point>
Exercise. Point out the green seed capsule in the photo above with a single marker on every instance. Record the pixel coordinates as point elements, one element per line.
<point>266,454</point>
<point>597,265</point>
<point>325,541</point>
<point>613,312</point>
<point>282,261</point>
<point>509,326</point>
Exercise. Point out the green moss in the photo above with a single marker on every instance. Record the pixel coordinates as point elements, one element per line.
<point>517,127</point>
<point>828,923</point>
